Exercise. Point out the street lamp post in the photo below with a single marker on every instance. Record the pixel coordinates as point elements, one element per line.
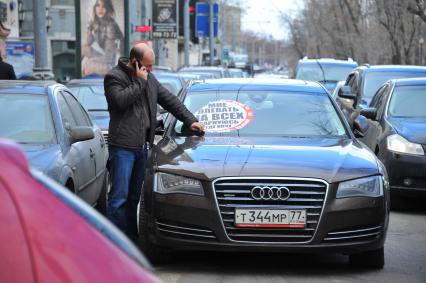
<point>211,30</point>
<point>421,41</point>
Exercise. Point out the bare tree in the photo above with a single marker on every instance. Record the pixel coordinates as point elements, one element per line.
<point>418,9</point>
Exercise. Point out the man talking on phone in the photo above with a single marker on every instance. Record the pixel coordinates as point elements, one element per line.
<point>133,93</point>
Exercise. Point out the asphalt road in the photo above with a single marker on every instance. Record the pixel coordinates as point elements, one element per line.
<point>405,255</point>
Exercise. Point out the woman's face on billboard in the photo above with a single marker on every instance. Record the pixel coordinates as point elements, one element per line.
<point>100,9</point>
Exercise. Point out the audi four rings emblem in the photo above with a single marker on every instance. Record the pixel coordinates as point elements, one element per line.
<point>270,193</point>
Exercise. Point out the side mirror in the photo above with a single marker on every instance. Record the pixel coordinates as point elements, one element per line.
<point>360,126</point>
<point>159,129</point>
<point>369,113</point>
<point>78,134</point>
<point>345,91</point>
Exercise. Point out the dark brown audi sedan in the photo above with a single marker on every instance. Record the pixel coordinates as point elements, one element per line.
<point>277,170</point>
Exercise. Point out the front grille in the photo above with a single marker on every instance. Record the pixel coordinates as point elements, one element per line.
<point>307,194</point>
<point>184,231</point>
<point>105,137</point>
<point>354,234</point>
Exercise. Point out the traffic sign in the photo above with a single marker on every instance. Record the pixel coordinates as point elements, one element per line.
<point>202,11</point>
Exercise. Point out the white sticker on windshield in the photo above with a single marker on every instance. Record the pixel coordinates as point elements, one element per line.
<point>224,116</point>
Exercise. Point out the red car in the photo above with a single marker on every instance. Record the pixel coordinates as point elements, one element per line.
<point>49,235</point>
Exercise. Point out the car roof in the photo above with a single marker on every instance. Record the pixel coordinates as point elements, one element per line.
<point>328,61</point>
<point>410,82</point>
<point>235,84</point>
<point>33,87</point>
<point>86,81</point>
<point>392,68</point>
<point>202,68</point>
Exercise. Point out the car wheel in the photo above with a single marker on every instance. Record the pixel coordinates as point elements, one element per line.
<point>370,259</point>
<point>154,253</point>
<point>101,204</point>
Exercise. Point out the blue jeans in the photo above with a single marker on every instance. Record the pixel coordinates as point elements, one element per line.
<point>127,170</point>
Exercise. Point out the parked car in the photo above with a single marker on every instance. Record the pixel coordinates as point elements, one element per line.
<point>57,135</point>
<point>172,81</point>
<point>91,94</point>
<point>236,73</point>
<point>218,72</point>
<point>324,70</point>
<point>396,132</point>
<point>267,176</point>
<point>49,235</point>
<point>363,82</point>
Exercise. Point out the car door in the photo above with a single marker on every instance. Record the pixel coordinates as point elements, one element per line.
<point>375,128</point>
<point>97,145</point>
<point>78,156</point>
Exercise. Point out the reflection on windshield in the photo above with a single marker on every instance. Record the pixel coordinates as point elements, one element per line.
<point>271,113</point>
<point>91,97</point>
<point>313,72</point>
<point>36,126</point>
<point>408,101</point>
<point>373,81</point>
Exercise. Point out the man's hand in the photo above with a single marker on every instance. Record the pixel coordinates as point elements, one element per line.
<point>197,127</point>
<point>141,72</point>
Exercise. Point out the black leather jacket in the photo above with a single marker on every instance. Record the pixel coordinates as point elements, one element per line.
<point>124,92</point>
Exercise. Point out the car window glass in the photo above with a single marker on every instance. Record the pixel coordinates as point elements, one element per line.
<point>376,97</point>
<point>66,115</point>
<point>314,116</point>
<point>381,101</point>
<point>373,80</point>
<point>91,98</point>
<point>408,101</point>
<point>35,126</point>
<point>80,116</point>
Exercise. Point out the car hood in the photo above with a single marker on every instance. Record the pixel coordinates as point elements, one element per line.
<point>413,129</point>
<point>42,157</point>
<point>332,160</point>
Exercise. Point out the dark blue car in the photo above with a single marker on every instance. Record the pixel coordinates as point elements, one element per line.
<point>396,132</point>
<point>277,170</point>
<point>57,135</point>
<point>363,82</point>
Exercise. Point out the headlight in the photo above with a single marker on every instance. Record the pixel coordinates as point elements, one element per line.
<point>169,183</point>
<point>365,187</point>
<point>398,144</point>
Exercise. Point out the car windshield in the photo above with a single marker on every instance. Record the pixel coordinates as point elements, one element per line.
<point>408,101</point>
<point>172,84</point>
<point>329,72</point>
<point>373,80</point>
<point>26,118</point>
<point>260,113</point>
<point>91,97</point>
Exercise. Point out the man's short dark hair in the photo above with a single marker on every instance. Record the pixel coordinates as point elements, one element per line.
<point>136,53</point>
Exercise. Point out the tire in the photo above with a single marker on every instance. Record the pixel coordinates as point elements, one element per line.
<point>154,253</point>
<point>371,259</point>
<point>101,204</point>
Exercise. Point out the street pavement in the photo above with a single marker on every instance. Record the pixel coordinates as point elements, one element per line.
<point>405,255</point>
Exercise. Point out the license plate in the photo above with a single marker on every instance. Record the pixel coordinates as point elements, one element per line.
<point>270,218</point>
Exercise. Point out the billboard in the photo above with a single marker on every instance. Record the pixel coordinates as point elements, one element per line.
<point>164,19</point>
<point>102,35</point>
<point>20,54</point>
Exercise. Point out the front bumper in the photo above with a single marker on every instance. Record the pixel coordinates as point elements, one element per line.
<point>407,173</point>
<point>187,222</point>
